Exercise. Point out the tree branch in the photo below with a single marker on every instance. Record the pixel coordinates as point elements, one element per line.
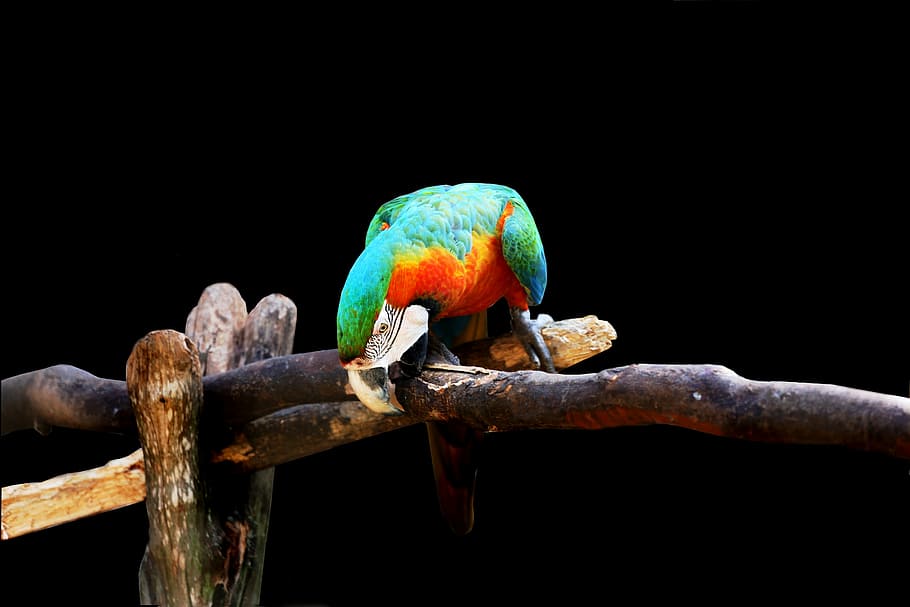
<point>41,397</point>
<point>301,406</point>
<point>66,397</point>
<point>69,397</point>
<point>236,507</point>
<point>705,398</point>
<point>35,506</point>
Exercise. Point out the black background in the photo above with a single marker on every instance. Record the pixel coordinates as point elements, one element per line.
<point>730,208</point>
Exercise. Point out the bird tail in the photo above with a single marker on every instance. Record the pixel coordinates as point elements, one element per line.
<point>455,446</point>
<point>454,449</point>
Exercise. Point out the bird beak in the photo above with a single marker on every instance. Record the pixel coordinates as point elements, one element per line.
<point>374,390</point>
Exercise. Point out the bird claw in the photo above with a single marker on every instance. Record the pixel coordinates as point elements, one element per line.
<point>528,333</point>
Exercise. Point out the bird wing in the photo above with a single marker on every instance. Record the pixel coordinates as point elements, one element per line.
<point>522,249</point>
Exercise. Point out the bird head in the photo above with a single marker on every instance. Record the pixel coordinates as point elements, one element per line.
<point>393,333</point>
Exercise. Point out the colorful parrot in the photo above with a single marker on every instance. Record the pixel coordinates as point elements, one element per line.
<point>435,260</point>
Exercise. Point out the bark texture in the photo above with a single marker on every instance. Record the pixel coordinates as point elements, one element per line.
<point>236,507</point>
<point>164,381</point>
<point>290,406</point>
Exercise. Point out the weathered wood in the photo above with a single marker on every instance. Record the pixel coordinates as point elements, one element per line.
<point>216,325</point>
<point>570,341</point>
<point>704,398</point>
<point>303,430</point>
<point>31,507</point>
<point>268,331</point>
<point>237,507</point>
<point>69,397</point>
<point>164,382</point>
<point>244,504</point>
<point>66,397</point>
<point>273,383</point>
<point>275,437</point>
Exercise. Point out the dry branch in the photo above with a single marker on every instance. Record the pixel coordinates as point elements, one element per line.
<point>227,551</point>
<point>69,397</point>
<point>215,324</point>
<point>571,341</point>
<point>704,398</point>
<point>273,385</point>
<point>35,506</point>
<point>164,379</point>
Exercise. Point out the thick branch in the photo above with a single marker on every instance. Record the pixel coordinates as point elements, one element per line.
<point>69,397</point>
<point>705,398</point>
<point>66,397</point>
<point>164,379</point>
<point>274,385</point>
<point>237,506</point>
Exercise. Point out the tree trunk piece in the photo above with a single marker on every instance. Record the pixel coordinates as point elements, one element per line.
<point>164,382</point>
<point>237,506</point>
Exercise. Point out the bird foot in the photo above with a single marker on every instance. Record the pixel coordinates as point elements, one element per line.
<point>528,333</point>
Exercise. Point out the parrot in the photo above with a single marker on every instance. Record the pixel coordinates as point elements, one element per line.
<point>433,263</point>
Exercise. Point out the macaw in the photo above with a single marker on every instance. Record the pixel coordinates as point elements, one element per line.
<point>434,261</point>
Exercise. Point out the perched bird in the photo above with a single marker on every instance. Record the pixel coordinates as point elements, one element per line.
<point>434,261</point>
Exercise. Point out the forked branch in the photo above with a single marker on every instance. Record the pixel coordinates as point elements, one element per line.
<point>289,407</point>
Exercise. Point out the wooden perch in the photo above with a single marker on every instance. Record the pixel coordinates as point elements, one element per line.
<point>272,385</point>
<point>164,378</point>
<point>69,397</point>
<point>570,342</point>
<point>704,398</point>
<point>34,506</point>
<point>226,543</point>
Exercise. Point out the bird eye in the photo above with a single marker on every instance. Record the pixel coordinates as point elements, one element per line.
<point>382,327</point>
